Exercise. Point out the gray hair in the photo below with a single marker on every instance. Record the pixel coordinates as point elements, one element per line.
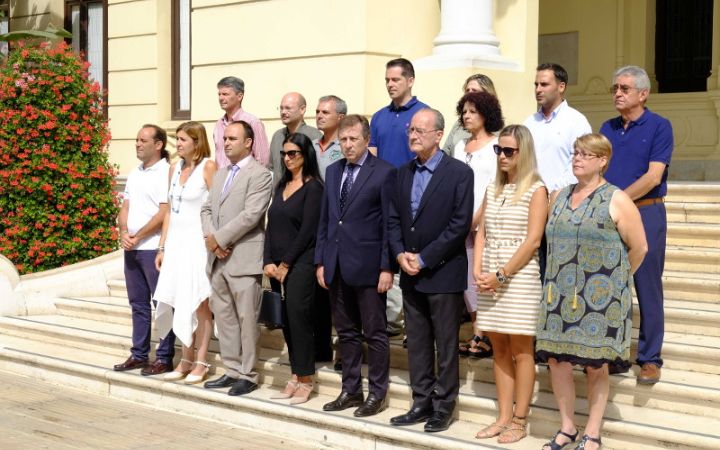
<point>439,119</point>
<point>235,83</point>
<point>642,81</point>
<point>340,105</point>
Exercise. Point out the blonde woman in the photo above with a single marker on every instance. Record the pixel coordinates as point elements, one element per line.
<point>183,287</point>
<point>596,241</point>
<point>507,275</point>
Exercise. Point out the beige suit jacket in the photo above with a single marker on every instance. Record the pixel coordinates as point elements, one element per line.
<point>237,219</point>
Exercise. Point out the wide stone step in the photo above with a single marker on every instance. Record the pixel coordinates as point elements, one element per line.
<point>114,340</point>
<point>626,426</point>
<point>693,192</point>
<point>696,287</point>
<point>689,212</point>
<point>693,259</point>
<point>688,317</point>
<point>693,235</point>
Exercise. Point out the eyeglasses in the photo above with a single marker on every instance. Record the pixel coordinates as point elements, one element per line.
<point>623,88</point>
<point>290,153</point>
<point>584,156</point>
<point>507,151</point>
<point>412,130</point>
<point>468,158</point>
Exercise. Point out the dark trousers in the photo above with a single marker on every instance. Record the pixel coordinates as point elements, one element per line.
<point>141,279</point>
<point>433,322</point>
<point>649,288</point>
<point>323,326</point>
<point>357,311</point>
<point>300,287</point>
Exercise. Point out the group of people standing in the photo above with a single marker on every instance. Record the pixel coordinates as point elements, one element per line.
<point>535,230</point>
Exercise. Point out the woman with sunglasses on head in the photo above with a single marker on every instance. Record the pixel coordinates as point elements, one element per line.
<point>479,113</point>
<point>289,256</point>
<point>507,274</point>
<point>596,241</point>
<point>183,286</point>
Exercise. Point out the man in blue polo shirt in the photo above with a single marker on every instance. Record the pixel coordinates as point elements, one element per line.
<point>642,147</point>
<point>388,127</point>
<point>389,141</point>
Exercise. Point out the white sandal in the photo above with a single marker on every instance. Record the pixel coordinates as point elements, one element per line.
<point>177,375</point>
<point>194,379</point>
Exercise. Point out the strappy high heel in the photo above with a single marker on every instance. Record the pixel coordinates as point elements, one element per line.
<point>176,374</point>
<point>302,393</point>
<point>194,379</point>
<point>288,392</point>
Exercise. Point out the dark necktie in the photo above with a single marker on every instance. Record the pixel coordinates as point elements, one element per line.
<point>347,185</point>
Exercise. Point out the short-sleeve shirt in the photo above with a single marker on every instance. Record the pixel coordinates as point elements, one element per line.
<point>146,189</point>
<point>388,131</point>
<point>332,153</point>
<point>648,139</point>
<point>260,148</point>
<point>554,138</point>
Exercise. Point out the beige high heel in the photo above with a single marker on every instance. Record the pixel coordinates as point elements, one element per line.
<point>177,375</point>
<point>288,392</point>
<point>195,379</point>
<point>302,393</point>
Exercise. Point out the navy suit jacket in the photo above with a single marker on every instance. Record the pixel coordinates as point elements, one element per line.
<point>356,239</point>
<point>439,229</point>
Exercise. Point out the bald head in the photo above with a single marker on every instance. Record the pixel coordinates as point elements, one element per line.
<point>292,110</point>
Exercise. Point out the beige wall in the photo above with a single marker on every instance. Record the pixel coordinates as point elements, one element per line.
<point>613,33</point>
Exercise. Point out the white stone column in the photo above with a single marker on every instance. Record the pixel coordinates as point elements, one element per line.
<point>466,38</point>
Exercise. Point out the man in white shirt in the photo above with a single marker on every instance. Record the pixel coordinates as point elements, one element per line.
<point>140,221</point>
<point>554,127</point>
<point>231,91</point>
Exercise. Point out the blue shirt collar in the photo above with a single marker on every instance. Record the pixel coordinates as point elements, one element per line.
<point>404,107</point>
<point>431,163</point>
<point>641,120</point>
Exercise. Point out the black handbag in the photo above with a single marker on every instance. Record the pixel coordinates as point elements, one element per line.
<point>272,310</point>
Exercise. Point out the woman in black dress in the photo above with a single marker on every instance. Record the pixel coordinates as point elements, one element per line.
<point>289,253</point>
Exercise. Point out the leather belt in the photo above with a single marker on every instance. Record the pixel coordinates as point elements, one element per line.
<point>649,201</point>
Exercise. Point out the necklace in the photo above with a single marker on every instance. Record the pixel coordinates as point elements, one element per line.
<point>557,210</point>
<point>175,202</point>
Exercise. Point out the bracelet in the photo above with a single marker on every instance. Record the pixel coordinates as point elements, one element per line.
<point>161,248</point>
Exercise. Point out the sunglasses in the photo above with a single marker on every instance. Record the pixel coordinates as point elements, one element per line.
<point>507,151</point>
<point>290,153</point>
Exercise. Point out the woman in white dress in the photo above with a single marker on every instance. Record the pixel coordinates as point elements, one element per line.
<point>474,83</point>
<point>183,287</point>
<point>480,114</point>
<point>507,274</point>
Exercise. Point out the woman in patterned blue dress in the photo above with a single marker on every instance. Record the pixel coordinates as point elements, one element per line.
<point>595,242</point>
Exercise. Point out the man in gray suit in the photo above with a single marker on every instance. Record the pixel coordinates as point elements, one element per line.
<point>233,225</point>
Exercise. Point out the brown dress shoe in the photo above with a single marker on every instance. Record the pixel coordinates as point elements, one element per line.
<point>649,374</point>
<point>130,364</point>
<point>156,368</point>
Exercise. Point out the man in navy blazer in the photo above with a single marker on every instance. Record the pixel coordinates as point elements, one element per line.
<point>430,218</point>
<point>353,261</point>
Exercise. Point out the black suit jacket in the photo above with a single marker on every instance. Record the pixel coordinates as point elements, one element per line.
<point>439,228</point>
<point>356,238</point>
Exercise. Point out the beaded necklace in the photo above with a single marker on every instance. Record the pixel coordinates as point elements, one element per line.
<point>175,202</point>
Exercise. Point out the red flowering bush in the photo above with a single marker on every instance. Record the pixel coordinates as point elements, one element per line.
<point>57,204</point>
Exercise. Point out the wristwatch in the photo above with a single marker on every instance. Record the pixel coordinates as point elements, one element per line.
<point>500,274</point>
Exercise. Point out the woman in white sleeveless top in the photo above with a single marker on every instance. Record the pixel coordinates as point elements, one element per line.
<point>507,274</point>
<point>183,287</point>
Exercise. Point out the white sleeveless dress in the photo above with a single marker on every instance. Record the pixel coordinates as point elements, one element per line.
<point>183,283</point>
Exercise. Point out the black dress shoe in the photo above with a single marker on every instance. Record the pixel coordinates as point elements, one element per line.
<point>439,421</point>
<point>222,382</point>
<point>415,415</point>
<point>242,387</point>
<point>372,406</point>
<point>130,364</point>
<point>344,401</point>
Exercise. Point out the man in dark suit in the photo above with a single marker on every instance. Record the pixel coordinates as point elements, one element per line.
<point>430,217</point>
<point>353,261</point>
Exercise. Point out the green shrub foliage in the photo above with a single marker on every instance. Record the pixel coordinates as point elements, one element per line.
<point>57,204</point>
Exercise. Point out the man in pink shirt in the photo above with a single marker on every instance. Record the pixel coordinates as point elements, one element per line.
<point>231,91</point>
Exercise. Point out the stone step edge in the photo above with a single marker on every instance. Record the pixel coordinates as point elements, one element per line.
<point>275,415</point>
<point>383,433</point>
<point>682,391</point>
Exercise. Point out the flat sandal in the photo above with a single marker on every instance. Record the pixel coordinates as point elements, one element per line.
<point>585,439</point>
<point>516,430</point>
<point>486,431</point>
<point>552,443</point>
